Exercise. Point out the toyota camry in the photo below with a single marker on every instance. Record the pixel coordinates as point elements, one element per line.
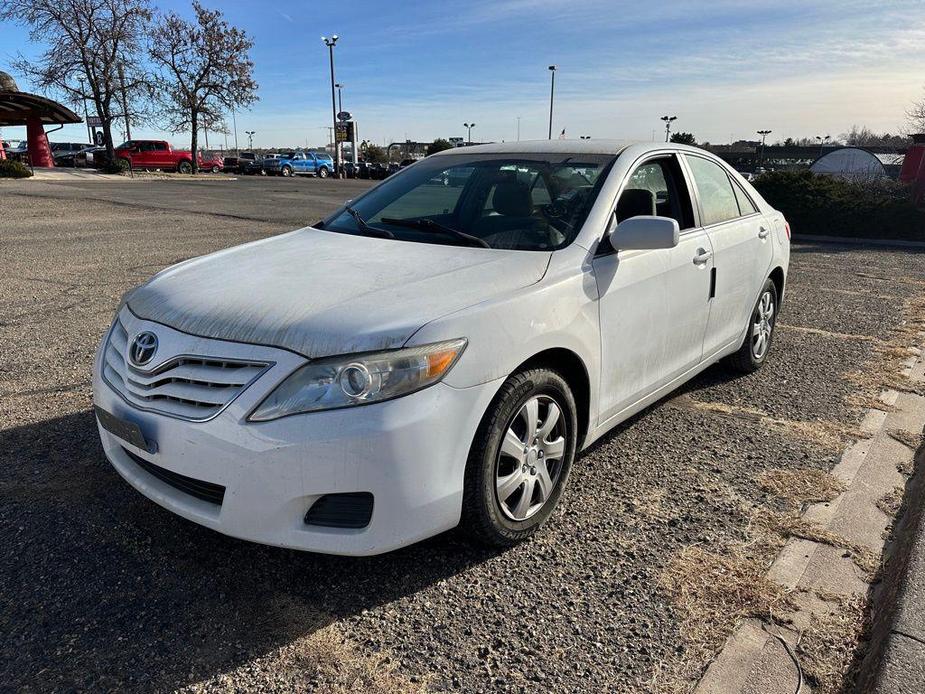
<point>438,351</point>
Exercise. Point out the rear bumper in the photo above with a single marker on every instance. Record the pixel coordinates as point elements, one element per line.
<point>409,453</point>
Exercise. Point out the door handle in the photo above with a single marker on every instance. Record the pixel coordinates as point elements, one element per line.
<point>702,256</point>
<point>763,233</point>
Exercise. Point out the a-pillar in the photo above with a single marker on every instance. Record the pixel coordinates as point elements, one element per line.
<point>39,151</point>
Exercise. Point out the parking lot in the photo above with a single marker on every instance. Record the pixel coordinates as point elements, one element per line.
<point>101,589</point>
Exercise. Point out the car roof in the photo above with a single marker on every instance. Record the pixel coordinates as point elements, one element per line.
<point>544,146</point>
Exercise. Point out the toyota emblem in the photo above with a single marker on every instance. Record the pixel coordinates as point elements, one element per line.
<point>143,348</point>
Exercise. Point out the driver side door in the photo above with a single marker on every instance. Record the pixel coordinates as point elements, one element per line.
<point>654,304</point>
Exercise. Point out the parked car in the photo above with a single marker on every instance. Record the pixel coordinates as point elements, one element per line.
<point>429,356</point>
<point>300,163</point>
<point>393,167</point>
<point>75,154</point>
<point>211,161</point>
<point>377,171</point>
<point>250,164</point>
<point>155,154</point>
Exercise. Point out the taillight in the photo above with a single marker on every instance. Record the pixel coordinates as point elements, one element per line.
<point>787,229</point>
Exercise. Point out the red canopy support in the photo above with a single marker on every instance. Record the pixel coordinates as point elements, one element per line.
<point>39,150</point>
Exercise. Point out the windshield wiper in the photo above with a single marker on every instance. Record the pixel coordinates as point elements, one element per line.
<point>431,225</point>
<point>366,228</point>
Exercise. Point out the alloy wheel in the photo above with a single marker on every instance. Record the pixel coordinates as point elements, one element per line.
<point>762,325</point>
<point>530,460</point>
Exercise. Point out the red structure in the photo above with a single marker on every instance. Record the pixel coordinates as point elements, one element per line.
<point>35,112</point>
<point>913,170</point>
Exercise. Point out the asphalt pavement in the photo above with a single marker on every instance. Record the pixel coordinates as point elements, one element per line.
<point>102,589</point>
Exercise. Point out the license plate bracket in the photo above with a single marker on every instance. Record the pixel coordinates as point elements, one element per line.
<point>125,430</point>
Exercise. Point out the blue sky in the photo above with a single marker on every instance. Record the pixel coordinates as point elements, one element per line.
<point>420,69</point>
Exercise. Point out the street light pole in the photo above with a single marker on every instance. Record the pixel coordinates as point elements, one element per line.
<point>469,127</point>
<point>330,42</point>
<point>668,120</point>
<point>250,138</point>
<point>552,95</point>
<point>764,134</point>
<point>518,128</point>
<point>340,100</point>
<point>83,97</point>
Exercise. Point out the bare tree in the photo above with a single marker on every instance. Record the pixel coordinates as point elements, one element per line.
<point>203,67</point>
<point>87,43</point>
<point>916,116</point>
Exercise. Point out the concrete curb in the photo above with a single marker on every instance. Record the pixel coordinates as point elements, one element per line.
<point>852,241</point>
<point>760,658</point>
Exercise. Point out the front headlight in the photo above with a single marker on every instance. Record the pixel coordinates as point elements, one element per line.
<point>359,379</point>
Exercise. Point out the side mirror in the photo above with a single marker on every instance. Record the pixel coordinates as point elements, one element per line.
<point>645,232</point>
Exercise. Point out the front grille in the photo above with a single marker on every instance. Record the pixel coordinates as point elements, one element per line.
<point>190,387</point>
<point>341,510</point>
<point>207,491</point>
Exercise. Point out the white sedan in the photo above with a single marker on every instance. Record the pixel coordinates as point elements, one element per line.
<point>438,351</point>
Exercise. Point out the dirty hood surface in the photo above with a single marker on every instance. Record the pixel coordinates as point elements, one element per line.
<point>321,293</point>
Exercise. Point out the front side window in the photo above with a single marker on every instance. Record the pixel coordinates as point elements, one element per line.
<point>507,201</point>
<point>657,187</point>
<point>714,189</point>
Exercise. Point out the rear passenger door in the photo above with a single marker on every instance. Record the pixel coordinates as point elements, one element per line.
<point>742,250</point>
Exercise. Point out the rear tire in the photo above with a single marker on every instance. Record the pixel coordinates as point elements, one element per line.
<point>215,169</point>
<point>185,167</point>
<point>286,171</point>
<point>757,343</point>
<point>516,454</point>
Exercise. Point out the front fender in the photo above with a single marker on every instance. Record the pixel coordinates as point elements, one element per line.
<point>558,312</point>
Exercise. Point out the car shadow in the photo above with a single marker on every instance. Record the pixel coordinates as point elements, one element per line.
<point>103,589</point>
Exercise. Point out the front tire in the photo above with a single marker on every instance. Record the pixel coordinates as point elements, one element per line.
<point>322,172</point>
<point>757,343</point>
<point>520,459</point>
<point>216,169</point>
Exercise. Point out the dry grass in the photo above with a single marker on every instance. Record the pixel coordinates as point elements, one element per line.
<point>712,593</point>
<point>823,434</point>
<point>794,525</point>
<point>892,501</point>
<point>828,648</point>
<point>801,487</point>
<point>907,438</point>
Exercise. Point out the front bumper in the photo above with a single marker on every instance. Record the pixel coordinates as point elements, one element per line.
<point>410,453</point>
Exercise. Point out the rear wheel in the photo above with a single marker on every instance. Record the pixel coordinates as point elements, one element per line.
<point>286,171</point>
<point>185,167</point>
<point>323,172</point>
<point>215,169</point>
<point>520,458</point>
<point>754,350</point>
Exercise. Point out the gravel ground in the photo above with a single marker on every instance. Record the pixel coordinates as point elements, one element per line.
<point>101,589</point>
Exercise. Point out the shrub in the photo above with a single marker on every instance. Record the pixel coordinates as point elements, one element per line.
<point>13,169</point>
<point>830,206</point>
<point>438,145</point>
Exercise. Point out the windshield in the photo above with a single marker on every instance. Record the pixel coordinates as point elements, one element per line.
<point>531,202</point>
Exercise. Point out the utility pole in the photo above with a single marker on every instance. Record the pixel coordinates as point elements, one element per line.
<point>330,42</point>
<point>83,97</point>
<point>234,122</point>
<point>552,95</point>
<point>518,128</point>
<point>668,121</point>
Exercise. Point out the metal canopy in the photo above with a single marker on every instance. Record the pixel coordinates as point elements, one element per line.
<point>17,107</point>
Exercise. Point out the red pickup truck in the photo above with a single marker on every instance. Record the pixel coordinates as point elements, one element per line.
<point>156,154</point>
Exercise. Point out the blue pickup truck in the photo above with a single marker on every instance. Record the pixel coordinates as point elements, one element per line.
<point>306,163</point>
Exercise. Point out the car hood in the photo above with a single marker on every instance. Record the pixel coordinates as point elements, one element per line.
<point>322,293</point>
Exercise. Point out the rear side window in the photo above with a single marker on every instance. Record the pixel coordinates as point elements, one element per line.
<point>746,206</point>
<point>717,197</point>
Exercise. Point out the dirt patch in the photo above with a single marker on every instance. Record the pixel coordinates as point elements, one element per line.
<point>800,487</point>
